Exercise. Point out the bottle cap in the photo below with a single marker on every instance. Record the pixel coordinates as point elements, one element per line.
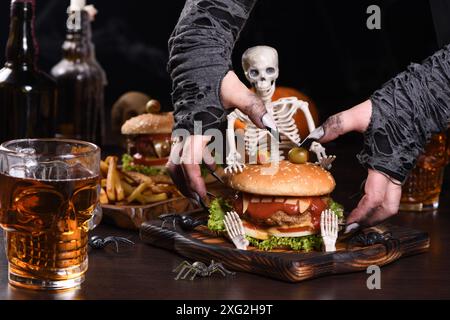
<point>77,5</point>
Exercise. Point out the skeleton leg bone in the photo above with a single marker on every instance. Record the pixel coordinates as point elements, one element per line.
<point>233,159</point>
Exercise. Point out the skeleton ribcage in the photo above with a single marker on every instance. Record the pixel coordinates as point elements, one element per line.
<point>253,139</point>
<point>283,113</point>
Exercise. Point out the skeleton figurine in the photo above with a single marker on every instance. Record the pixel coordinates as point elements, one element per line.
<point>260,64</point>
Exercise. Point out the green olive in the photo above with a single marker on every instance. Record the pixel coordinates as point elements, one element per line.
<point>298,155</point>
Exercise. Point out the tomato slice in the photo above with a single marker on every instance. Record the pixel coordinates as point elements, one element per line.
<point>295,229</point>
<point>316,208</point>
<point>263,210</point>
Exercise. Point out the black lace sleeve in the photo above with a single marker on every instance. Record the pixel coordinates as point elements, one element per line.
<point>200,56</point>
<point>405,113</point>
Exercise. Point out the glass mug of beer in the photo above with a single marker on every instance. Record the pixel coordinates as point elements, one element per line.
<point>422,189</point>
<point>48,202</point>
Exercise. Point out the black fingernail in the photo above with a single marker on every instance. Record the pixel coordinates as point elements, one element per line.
<point>194,201</point>
<point>200,201</point>
<point>351,227</point>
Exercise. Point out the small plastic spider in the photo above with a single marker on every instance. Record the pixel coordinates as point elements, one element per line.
<point>371,238</point>
<point>200,269</point>
<point>97,242</point>
<point>186,223</point>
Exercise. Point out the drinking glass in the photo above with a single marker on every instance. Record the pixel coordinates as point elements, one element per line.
<point>423,187</point>
<point>49,192</point>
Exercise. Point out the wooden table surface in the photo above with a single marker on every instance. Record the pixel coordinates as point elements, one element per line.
<point>144,272</point>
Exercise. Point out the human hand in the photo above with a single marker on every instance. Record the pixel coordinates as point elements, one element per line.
<point>382,193</point>
<point>186,156</point>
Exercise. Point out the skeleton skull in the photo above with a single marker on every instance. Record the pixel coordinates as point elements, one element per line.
<point>260,65</point>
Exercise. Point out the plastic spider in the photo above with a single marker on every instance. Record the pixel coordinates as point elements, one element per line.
<point>186,223</point>
<point>371,238</point>
<point>97,242</point>
<point>200,269</point>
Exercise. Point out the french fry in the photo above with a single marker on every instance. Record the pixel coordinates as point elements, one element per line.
<point>162,178</point>
<point>140,178</point>
<point>128,189</point>
<point>160,188</point>
<point>114,178</point>
<point>137,192</point>
<point>146,199</point>
<point>104,168</point>
<point>103,183</point>
<point>120,193</point>
<point>108,159</point>
<point>103,197</point>
<point>128,179</point>
<point>110,189</point>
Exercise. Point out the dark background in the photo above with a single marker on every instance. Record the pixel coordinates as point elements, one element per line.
<point>325,48</point>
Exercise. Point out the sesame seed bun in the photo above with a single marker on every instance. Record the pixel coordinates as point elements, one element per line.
<point>296,180</point>
<point>149,123</point>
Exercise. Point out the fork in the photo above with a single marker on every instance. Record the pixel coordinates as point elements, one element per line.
<point>235,230</point>
<point>329,230</point>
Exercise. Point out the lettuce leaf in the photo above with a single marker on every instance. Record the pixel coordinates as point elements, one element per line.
<point>217,210</point>
<point>337,208</point>
<point>128,165</point>
<point>307,243</point>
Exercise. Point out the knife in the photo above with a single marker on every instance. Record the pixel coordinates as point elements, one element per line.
<point>314,136</point>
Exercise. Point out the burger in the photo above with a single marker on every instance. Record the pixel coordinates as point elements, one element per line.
<point>280,210</point>
<point>148,139</point>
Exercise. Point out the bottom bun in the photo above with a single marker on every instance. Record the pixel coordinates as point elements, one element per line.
<point>291,232</point>
<point>255,232</point>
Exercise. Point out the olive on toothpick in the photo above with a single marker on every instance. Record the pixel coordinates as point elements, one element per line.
<point>298,155</point>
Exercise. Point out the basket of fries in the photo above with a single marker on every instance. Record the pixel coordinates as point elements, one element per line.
<point>130,198</point>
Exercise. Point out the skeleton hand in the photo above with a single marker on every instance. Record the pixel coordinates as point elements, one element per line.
<point>234,163</point>
<point>322,158</point>
<point>329,230</point>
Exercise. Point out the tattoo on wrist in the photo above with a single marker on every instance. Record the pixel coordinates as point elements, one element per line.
<point>333,124</point>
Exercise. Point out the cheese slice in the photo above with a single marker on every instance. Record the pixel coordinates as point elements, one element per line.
<point>304,204</point>
<point>291,201</point>
<point>245,201</point>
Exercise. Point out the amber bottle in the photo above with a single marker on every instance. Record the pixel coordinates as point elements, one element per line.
<point>27,95</point>
<point>81,82</point>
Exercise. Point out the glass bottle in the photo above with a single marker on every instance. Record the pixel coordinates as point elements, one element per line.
<point>81,81</point>
<point>27,95</point>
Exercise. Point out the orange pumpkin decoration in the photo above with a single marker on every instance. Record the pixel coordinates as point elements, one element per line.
<point>300,119</point>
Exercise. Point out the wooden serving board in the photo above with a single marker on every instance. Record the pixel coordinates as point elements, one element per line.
<point>290,266</point>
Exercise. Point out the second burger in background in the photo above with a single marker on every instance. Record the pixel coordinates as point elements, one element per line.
<point>148,141</point>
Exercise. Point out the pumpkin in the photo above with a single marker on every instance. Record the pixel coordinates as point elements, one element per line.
<point>300,119</point>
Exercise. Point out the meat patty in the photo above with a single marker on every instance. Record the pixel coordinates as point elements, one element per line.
<point>281,218</point>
